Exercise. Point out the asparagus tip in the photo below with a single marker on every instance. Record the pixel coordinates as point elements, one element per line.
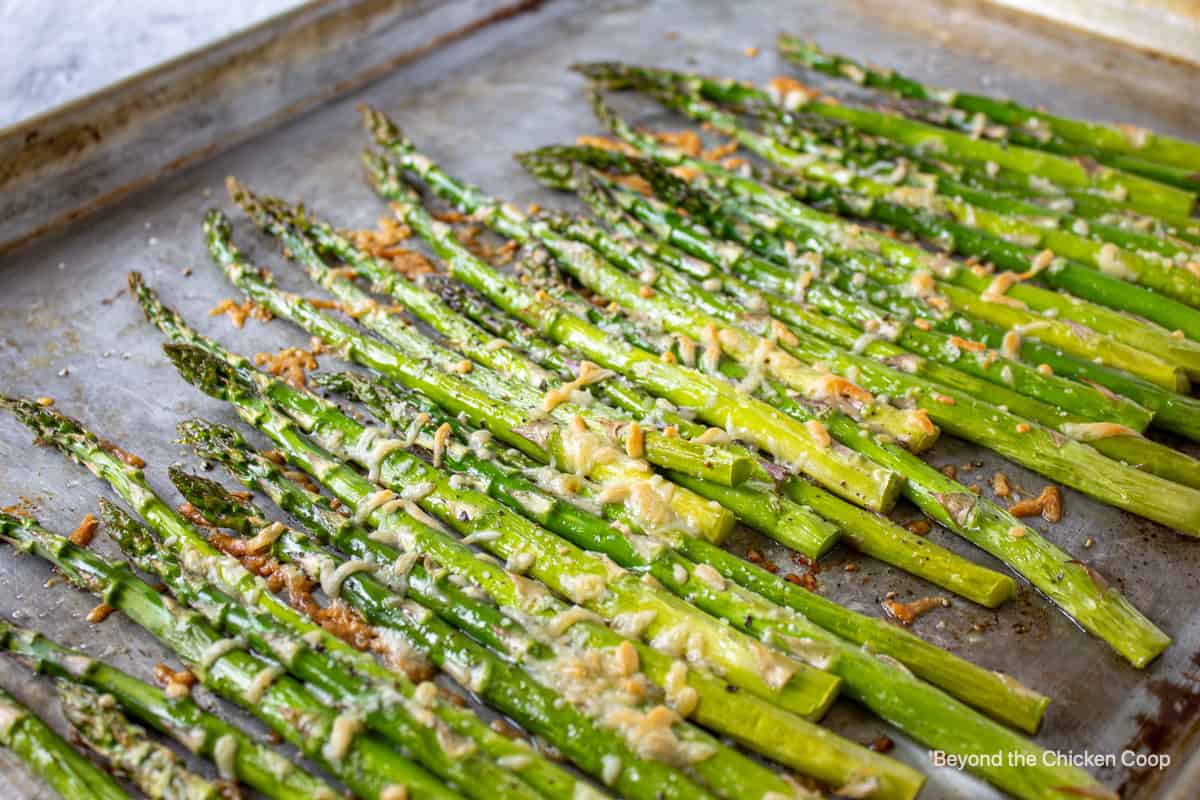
<point>203,370</point>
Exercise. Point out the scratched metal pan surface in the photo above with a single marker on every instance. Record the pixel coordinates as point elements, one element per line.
<point>69,331</point>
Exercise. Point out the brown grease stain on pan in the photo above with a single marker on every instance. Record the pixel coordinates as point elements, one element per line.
<point>1169,729</point>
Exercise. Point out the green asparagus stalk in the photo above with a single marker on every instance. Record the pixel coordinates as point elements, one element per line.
<point>979,126</point>
<point>399,719</point>
<point>49,757</point>
<point>995,530</point>
<point>951,407</point>
<point>978,687</point>
<point>503,685</point>
<point>1097,608</point>
<point>1119,441</point>
<point>530,700</point>
<point>367,766</point>
<point>521,427</point>
<point>715,401</point>
<point>153,768</point>
<point>738,344</point>
<point>569,571</point>
<point>775,271</point>
<point>1108,209</point>
<point>1167,298</point>
<point>872,534</point>
<point>869,533</point>
<point>1172,411</point>
<point>1115,139</point>
<point>1141,193</point>
<point>1117,622</point>
<point>808,692</point>
<point>824,755</point>
<point>985,184</point>
<point>1074,586</point>
<point>253,764</point>
<point>1141,348</point>
<point>896,689</point>
<point>1008,242</point>
<point>790,524</point>
<point>745,347</point>
<point>988,187</point>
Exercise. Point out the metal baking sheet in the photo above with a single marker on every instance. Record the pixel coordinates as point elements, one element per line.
<point>68,330</point>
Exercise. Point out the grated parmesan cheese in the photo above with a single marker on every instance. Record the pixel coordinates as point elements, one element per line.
<point>345,727</point>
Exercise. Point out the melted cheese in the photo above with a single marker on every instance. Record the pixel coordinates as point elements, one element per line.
<point>224,755</point>
<point>1091,431</point>
<point>367,507</point>
<point>610,769</point>
<point>633,623</point>
<point>710,340</point>
<point>588,374</point>
<point>414,428</point>
<point>265,538</point>
<point>1110,262</point>
<point>710,576</point>
<point>562,621</point>
<point>775,670</point>
<point>680,696</point>
<point>1010,345</point>
<point>341,736</point>
<point>584,588</point>
<point>584,450</point>
<point>440,437</point>
<point>416,492</point>
<point>218,649</point>
<point>996,291</point>
<point>332,579</point>
<point>262,681</point>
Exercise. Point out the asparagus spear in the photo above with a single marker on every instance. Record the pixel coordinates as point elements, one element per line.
<point>1008,242</point>
<point>870,533</point>
<point>740,345</point>
<point>502,685</point>
<point>368,767</point>
<point>1172,411</point>
<point>790,524</point>
<point>808,691</point>
<point>951,407</point>
<point>1141,193</point>
<point>153,768</point>
<point>777,519</point>
<point>775,271</point>
<point>1115,139</point>
<point>584,450</point>
<point>1119,441</point>
<point>565,568</point>
<point>1025,707</point>
<point>1039,137</point>
<point>896,690</point>
<point>1019,707</point>
<point>370,590</point>
<point>986,186</point>
<point>49,757</point>
<point>405,722</point>
<point>823,754</point>
<point>1141,348</point>
<point>1097,608</point>
<point>254,764</point>
<point>714,401</point>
